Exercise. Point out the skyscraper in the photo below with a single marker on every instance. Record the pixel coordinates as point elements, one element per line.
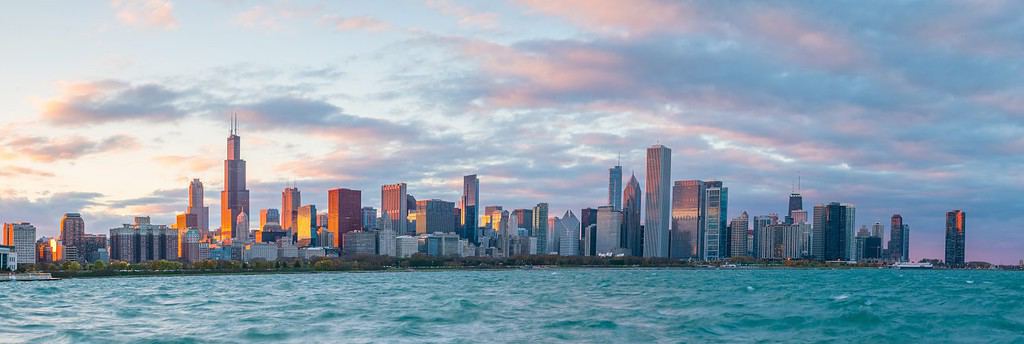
<point>738,227</point>
<point>291,200</point>
<point>687,218</point>
<point>615,187</point>
<point>72,229</point>
<point>609,224</point>
<point>658,207</point>
<point>269,216</point>
<point>23,237</point>
<point>470,204</point>
<point>567,229</point>
<point>956,228</point>
<point>588,231</point>
<point>525,219</point>
<point>369,218</point>
<point>435,216</point>
<point>195,206</point>
<point>818,232</point>
<point>897,235</point>
<point>838,231</point>
<point>540,228</point>
<point>306,226</point>
<point>634,241</point>
<point>234,199</point>
<point>394,205</point>
<point>714,237</point>
<point>796,202</point>
<point>343,213</point>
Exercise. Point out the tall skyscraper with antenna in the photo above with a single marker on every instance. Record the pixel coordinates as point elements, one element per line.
<point>615,187</point>
<point>796,203</point>
<point>234,200</point>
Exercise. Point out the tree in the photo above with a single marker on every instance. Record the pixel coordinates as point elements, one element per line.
<point>71,266</point>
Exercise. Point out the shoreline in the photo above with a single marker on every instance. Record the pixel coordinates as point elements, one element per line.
<point>182,273</point>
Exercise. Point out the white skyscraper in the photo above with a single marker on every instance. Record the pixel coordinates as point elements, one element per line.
<point>657,205</point>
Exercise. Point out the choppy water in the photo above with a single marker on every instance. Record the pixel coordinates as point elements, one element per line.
<point>527,306</point>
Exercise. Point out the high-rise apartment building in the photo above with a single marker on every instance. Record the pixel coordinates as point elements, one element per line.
<point>22,236</point>
<point>658,201</point>
<point>72,229</point>
<point>956,228</point>
<point>899,239</point>
<point>738,227</point>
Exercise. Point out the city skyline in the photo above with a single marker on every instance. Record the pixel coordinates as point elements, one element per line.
<point>341,104</point>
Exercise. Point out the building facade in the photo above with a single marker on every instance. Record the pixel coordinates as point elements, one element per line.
<point>21,236</point>
<point>344,213</point>
<point>197,207</point>
<point>956,230</point>
<point>658,201</point>
<point>738,227</point>
<point>687,219</point>
<point>631,207</point>
<point>291,200</point>
<point>234,200</point>
<point>714,238</point>
<point>540,228</point>
<point>394,205</point>
<point>615,187</point>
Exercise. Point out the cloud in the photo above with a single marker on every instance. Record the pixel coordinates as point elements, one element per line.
<point>98,102</point>
<point>361,23</point>
<point>45,149</point>
<point>17,171</point>
<point>466,16</point>
<point>45,212</point>
<point>621,18</point>
<point>146,13</point>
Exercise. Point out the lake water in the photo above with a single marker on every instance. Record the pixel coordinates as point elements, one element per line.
<point>524,306</point>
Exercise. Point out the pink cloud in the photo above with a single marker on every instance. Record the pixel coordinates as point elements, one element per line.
<point>467,16</point>
<point>623,18</point>
<point>355,23</point>
<point>524,77</point>
<point>146,13</point>
<point>807,41</point>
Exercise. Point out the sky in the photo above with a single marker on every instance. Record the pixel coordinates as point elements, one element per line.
<point>110,108</point>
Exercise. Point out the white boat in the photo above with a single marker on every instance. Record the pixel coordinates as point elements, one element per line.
<point>912,266</point>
